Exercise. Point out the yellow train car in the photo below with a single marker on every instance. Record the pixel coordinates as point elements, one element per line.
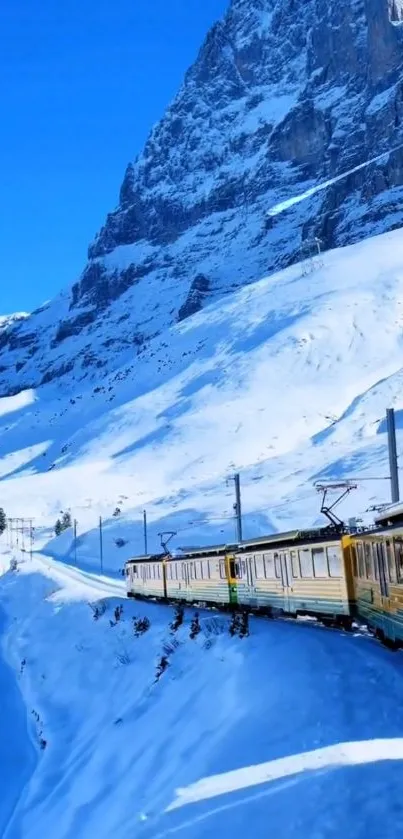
<point>300,572</point>
<point>377,563</point>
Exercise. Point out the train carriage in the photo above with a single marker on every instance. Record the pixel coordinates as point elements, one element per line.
<point>296,573</point>
<point>321,572</point>
<point>200,575</point>
<point>377,563</point>
<point>145,577</point>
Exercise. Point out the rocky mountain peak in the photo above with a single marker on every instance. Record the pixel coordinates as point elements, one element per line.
<point>283,95</point>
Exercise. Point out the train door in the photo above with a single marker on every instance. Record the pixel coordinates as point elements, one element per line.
<point>286,579</point>
<point>184,584</point>
<point>231,571</point>
<point>246,592</point>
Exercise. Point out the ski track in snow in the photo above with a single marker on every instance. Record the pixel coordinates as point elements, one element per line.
<point>341,754</point>
<point>291,202</point>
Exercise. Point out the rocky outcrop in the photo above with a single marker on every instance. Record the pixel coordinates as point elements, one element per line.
<point>283,95</point>
<point>197,294</point>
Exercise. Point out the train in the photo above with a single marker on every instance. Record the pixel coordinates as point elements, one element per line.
<point>334,574</point>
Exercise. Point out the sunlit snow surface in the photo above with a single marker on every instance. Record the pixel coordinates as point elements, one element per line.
<point>294,731</point>
<point>286,381</point>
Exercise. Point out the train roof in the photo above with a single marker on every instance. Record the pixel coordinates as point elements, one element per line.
<point>319,534</point>
<point>146,558</point>
<point>391,515</point>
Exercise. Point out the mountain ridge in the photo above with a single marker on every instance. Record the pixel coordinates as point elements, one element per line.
<point>283,94</point>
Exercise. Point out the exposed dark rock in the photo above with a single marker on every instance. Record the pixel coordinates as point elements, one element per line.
<point>197,294</point>
<point>57,372</point>
<point>67,328</point>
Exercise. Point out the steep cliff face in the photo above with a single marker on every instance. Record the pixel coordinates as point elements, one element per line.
<point>284,94</point>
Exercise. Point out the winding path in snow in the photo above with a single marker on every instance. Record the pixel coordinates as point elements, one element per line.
<point>77,584</point>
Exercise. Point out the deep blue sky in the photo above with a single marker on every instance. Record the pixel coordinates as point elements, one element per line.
<point>82,82</point>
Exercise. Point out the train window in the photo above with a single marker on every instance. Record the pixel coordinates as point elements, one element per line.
<point>183,570</point>
<point>213,569</point>
<point>334,561</point>
<point>135,570</point>
<point>305,561</point>
<point>319,558</point>
<point>269,566</point>
<point>376,550</point>
<point>277,566</point>
<point>238,569</point>
<point>353,555</point>
<point>206,569</point>
<point>259,567</point>
<point>222,570</point>
<point>295,564</point>
<point>391,562</point>
<point>399,559</point>
<point>360,556</point>
<point>368,560</point>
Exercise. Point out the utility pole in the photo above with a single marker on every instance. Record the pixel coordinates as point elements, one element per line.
<point>75,540</point>
<point>31,538</point>
<point>393,467</point>
<point>237,507</point>
<point>145,532</point>
<point>101,548</point>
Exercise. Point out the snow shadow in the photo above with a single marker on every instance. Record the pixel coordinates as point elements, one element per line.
<point>156,436</point>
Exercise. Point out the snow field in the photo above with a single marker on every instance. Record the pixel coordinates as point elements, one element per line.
<point>286,381</point>
<point>125,753</point>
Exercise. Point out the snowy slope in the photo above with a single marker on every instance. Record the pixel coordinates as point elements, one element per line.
<point>296,730</point>
<point>286,381</point>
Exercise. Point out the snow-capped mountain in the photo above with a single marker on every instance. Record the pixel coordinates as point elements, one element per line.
<point>283,94</point>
